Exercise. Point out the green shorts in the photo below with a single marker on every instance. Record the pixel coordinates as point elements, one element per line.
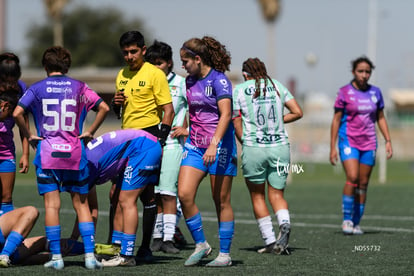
<point>170,167</point>
<point>271,164</point>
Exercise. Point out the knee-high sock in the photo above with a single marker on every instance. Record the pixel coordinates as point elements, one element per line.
<point>226,232</point>
<point>195,226</point>
<point>347,206</point>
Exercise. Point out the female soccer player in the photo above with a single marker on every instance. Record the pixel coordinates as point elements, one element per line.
<point>10,73</point>
<point>59,105</point>
<point>211,145</point>
<point>260,101</point>
<point>358,106</point>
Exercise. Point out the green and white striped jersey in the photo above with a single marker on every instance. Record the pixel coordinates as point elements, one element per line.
<point>179,101</point>
<point>262,117</point>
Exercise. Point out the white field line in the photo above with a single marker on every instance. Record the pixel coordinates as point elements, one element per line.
<point>211,217</point>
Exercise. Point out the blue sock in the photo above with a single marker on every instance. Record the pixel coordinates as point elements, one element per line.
<point>6,207</point>
<point>117,237</point>
<point>226,231</point>
<point>53,235</point>
<point>12,242</point>
<point>347,206</point>
<point>359,209</point>
<point>87,231</point>
<point>195,226</point>
<point>128,244</point>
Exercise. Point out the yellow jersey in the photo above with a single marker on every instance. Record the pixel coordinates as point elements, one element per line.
<point>146,90</point>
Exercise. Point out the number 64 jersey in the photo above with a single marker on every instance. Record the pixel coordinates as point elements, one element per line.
<point>262,117</point>
<point>59,106</point>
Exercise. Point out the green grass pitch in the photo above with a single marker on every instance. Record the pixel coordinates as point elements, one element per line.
<point>317,244</point>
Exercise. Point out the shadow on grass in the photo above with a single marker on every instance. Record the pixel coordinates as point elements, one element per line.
<point>290,250</point>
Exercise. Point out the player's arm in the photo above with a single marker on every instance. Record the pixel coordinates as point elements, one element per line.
<point>295,112</point>
<point>18,115</point>
<point>333,156</point>
<point>24,159</point>
<point>167,119</point>
<point>103,109</point>
<point>383,126</point>
<point>238,127</point>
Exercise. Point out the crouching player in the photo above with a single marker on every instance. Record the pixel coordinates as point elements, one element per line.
<point>134,155</point>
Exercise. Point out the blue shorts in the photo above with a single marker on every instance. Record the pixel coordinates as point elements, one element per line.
<point>225,164</point>
<point>142,169</point>
<point>62,180</point>
<point>346,152</point>
<point>7,165</point>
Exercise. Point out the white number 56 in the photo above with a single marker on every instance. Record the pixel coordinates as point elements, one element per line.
<point>46,103</point>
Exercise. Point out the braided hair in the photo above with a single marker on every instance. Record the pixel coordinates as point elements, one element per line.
<point>256,69</point>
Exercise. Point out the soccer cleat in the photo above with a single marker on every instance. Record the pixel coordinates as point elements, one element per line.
<point>267,249</point>
<point>357,230</point>
<point>202,250</point>
<point>156,245</point>
<point>119,260</point>
<point>347,227</point>
<point>168,247</point>
<point>107,249</point>
<point>5,261</point>
<point>92,263</point>
<point>282,241</point>
<point>144,255</point>
<point>222,260</point>
<point>55,264</point>
<point>179,239</point>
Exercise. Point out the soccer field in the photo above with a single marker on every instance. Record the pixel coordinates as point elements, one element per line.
<point>317,244</point>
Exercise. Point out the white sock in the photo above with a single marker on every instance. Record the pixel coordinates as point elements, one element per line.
<point>169,226</point>
<point>89,255</point>
<point>283,216</point>
<point>266,229</point>
<point>158,231</point>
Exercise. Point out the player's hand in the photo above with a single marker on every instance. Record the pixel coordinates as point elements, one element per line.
<point>34,140</point>
<point>209,156</point>
<point>179,131</point>
<point>24,164</point>
<point>388,149</point>
<point>86,137</point>
<point>119,98</point>
<point>333,157</point>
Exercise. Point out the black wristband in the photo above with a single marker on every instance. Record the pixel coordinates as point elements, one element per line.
<point>164,131</point>
<point>116,109</point>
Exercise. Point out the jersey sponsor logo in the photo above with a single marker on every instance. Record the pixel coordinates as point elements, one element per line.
<point>250,90</point>
<point>364,107</point>
<point>59,83</point>
<point>62,147</point>
<point>141,83</point>
<point>268,138</point>
<point>123,82</point>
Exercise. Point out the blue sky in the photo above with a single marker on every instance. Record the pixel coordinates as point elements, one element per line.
<point>335,31</point>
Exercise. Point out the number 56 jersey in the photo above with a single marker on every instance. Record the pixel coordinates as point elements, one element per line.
<point>59,106</point>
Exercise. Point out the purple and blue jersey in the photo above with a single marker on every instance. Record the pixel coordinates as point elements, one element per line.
<point>7,147</point>
<point>131,152</point>
<point>360,113</point>
<point>59,105</point>
<point>202,96</point>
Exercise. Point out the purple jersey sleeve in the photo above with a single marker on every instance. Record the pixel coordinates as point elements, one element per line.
<point>59,106</point>
<point>203,96</point>
<point>360,113</point>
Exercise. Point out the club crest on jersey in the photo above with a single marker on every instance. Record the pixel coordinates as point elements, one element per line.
<point>374,99</point>
<point>208,91</point>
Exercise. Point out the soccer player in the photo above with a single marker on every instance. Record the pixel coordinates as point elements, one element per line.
<point>358,106</point>
<point>160,54</point>
<point>142,101</point>
<point>133,155</point>
<point>10,73</point>
<point>59,105</point>
<point>260,102</point>
<point>211,145</point>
